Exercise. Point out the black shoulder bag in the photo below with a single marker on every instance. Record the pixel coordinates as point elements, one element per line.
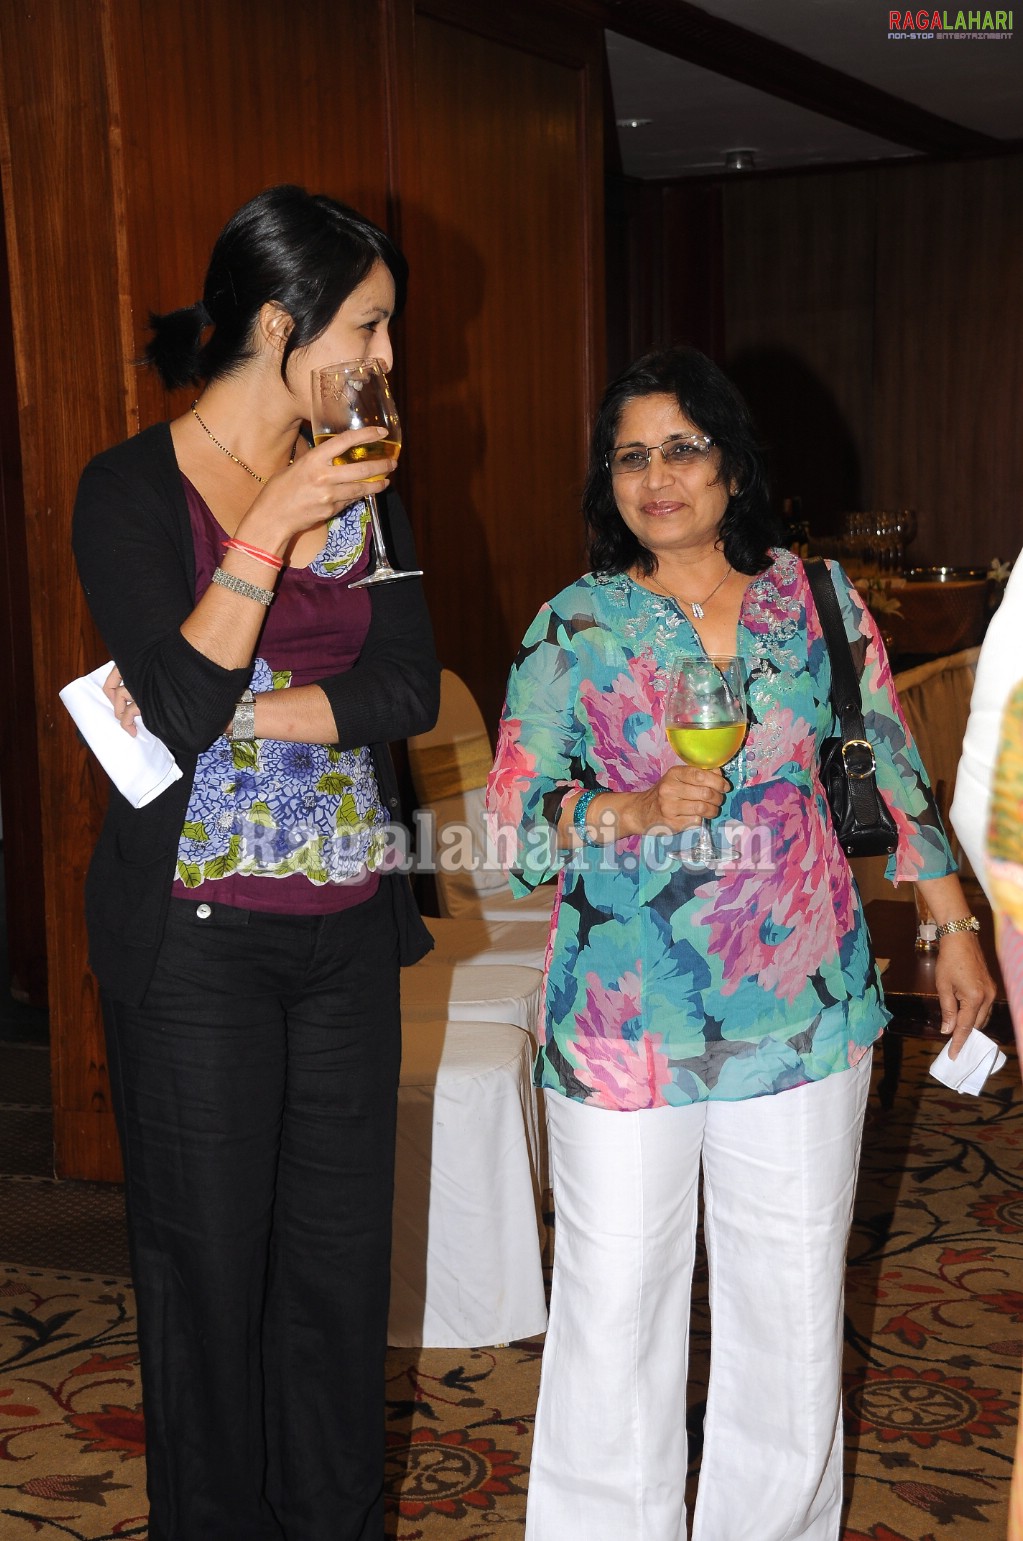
<point>862,822</point>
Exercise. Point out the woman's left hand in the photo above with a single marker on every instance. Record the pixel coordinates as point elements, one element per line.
<point>965,987</point>
<point>120,699</point>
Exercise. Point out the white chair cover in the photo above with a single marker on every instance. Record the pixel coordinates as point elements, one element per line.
<point>471,881</point>
<point>466,1267</point>
<point>449,766</point>
<point>437,988</point>
<point>483,941</point>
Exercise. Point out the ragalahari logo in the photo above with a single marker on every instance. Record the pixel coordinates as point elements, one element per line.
<point>929,26</point>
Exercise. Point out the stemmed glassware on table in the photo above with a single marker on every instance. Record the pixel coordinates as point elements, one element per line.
<point>706,723</point>
<point>357,395</point>
<point>905,531</point>
<point>874,543</point>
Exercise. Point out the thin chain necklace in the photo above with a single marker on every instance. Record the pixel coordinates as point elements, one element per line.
<point>237,460</point>
<point>695,605</point>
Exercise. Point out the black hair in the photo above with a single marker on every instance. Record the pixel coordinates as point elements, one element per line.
<point>304,251</point>
<point>713,405</point>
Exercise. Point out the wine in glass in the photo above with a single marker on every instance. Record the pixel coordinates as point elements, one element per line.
<point>357,395</point>
<point>706,723</point>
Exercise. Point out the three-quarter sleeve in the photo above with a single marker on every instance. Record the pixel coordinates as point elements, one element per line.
<point>540,754</point>
<point>923,850</point>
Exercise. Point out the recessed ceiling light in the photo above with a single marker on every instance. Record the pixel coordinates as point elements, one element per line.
<point>740,160</point>
<point>633,122</point>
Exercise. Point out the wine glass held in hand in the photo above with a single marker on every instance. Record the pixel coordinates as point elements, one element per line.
<point>357,395</point>
<point>706,723</point>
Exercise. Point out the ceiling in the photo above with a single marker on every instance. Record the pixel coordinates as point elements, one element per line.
<point>838,90</point>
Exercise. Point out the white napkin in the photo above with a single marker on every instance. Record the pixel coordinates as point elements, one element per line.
<point>141,767</point>
<point>978,1058</point>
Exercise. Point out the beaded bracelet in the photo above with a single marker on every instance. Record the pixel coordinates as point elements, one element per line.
<point>579,817</point>
<point>257,554</point>
<point>242,586</point>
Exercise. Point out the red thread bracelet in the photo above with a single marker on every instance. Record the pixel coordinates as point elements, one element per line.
<point>254,552</point>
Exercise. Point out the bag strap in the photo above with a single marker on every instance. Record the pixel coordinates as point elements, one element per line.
<point>845,687</point>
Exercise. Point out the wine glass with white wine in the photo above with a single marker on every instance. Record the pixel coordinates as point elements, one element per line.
<point>706,723</point>
<point>357,395</point>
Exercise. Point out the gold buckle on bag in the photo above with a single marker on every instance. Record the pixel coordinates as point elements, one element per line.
<point>858,743</point>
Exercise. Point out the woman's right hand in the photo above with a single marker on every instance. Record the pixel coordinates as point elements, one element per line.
<point>683,796</point>
<point>314,489</point>
<point>680,800</point>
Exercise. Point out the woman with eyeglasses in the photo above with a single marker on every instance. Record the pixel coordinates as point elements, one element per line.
<point>712,1019</point>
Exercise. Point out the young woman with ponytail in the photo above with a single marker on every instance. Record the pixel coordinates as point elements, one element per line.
<point>245,937</point>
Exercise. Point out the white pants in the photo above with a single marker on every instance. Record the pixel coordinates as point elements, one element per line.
<point>609,1450</point>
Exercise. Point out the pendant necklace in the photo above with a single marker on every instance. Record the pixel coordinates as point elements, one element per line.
<point>695,605</point>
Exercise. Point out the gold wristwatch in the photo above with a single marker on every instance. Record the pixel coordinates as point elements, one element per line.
<point>968,923</point>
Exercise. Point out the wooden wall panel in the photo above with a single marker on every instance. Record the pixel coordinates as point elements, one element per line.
<point>799,285</point>
<point>221,98</point>
<point>875,321</point>
<point>501,218</point>
<point>19,775</point>
<point>672,269</point>
<point>62,250</point>
<point>131,129</point>
<point>948,418</point>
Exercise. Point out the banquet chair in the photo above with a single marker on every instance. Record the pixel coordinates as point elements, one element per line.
<point>935,698</point>
<point>466,1255</point>
<point>449,767</point>
<point>458,990</point>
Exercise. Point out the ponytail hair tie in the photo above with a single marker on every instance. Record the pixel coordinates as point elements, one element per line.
<point>201,314</point>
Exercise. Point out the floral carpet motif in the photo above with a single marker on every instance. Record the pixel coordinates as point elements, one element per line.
<point>71,1433</point>
<point>934,1312</point>
<point>934,1341</point>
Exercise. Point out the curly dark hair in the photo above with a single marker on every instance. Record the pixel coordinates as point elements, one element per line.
<point>713,405</point>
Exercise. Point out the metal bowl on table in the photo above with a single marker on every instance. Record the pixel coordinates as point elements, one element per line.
<point>946,574</point>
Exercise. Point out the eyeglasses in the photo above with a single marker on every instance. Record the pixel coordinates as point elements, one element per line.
<point>677,453</point>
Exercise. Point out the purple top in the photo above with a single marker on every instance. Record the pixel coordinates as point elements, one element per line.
<point>277,826</point>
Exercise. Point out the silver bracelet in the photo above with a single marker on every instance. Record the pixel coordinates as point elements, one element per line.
<point>243,723</point>
<point>242,586</point>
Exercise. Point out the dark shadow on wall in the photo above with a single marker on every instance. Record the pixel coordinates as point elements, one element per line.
<point>812,455</point>
<point>447,449</point>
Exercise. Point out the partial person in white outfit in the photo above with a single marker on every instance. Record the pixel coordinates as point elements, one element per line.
<point>700,1017</point>
<point>999,670</point>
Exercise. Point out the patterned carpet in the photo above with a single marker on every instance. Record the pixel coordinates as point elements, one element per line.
<point>934,1344</point>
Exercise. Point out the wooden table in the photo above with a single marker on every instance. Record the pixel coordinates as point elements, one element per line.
<point>909,988</point>
<point>932,618</point>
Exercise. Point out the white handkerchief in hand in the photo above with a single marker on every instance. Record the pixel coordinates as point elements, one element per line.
<point>978,1058</point>
<point>141,767</point>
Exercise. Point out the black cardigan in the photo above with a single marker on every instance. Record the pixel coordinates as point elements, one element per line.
<point>133,544</point>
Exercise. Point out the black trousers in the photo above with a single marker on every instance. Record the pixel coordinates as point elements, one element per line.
<point>256,1091</point>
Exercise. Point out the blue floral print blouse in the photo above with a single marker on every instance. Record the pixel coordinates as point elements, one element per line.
<point>267,814</point>
<point>669,983</point>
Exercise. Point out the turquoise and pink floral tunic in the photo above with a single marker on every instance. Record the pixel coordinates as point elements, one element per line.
<point>668,983</point>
